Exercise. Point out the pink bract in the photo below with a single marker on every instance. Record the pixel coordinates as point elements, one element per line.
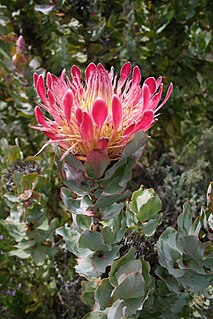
<point>102,112</point>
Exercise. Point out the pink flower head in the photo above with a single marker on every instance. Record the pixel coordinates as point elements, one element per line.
<point>102,112</point>
<point>20,44</point>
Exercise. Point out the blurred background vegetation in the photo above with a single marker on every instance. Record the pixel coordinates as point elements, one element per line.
<point>168,38</point>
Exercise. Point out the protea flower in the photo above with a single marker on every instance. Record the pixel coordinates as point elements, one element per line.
<point>102,112</point>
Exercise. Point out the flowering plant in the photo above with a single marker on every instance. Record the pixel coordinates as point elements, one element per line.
<point>99,129</point>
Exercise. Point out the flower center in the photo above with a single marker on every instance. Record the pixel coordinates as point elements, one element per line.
<point>99,86</point>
